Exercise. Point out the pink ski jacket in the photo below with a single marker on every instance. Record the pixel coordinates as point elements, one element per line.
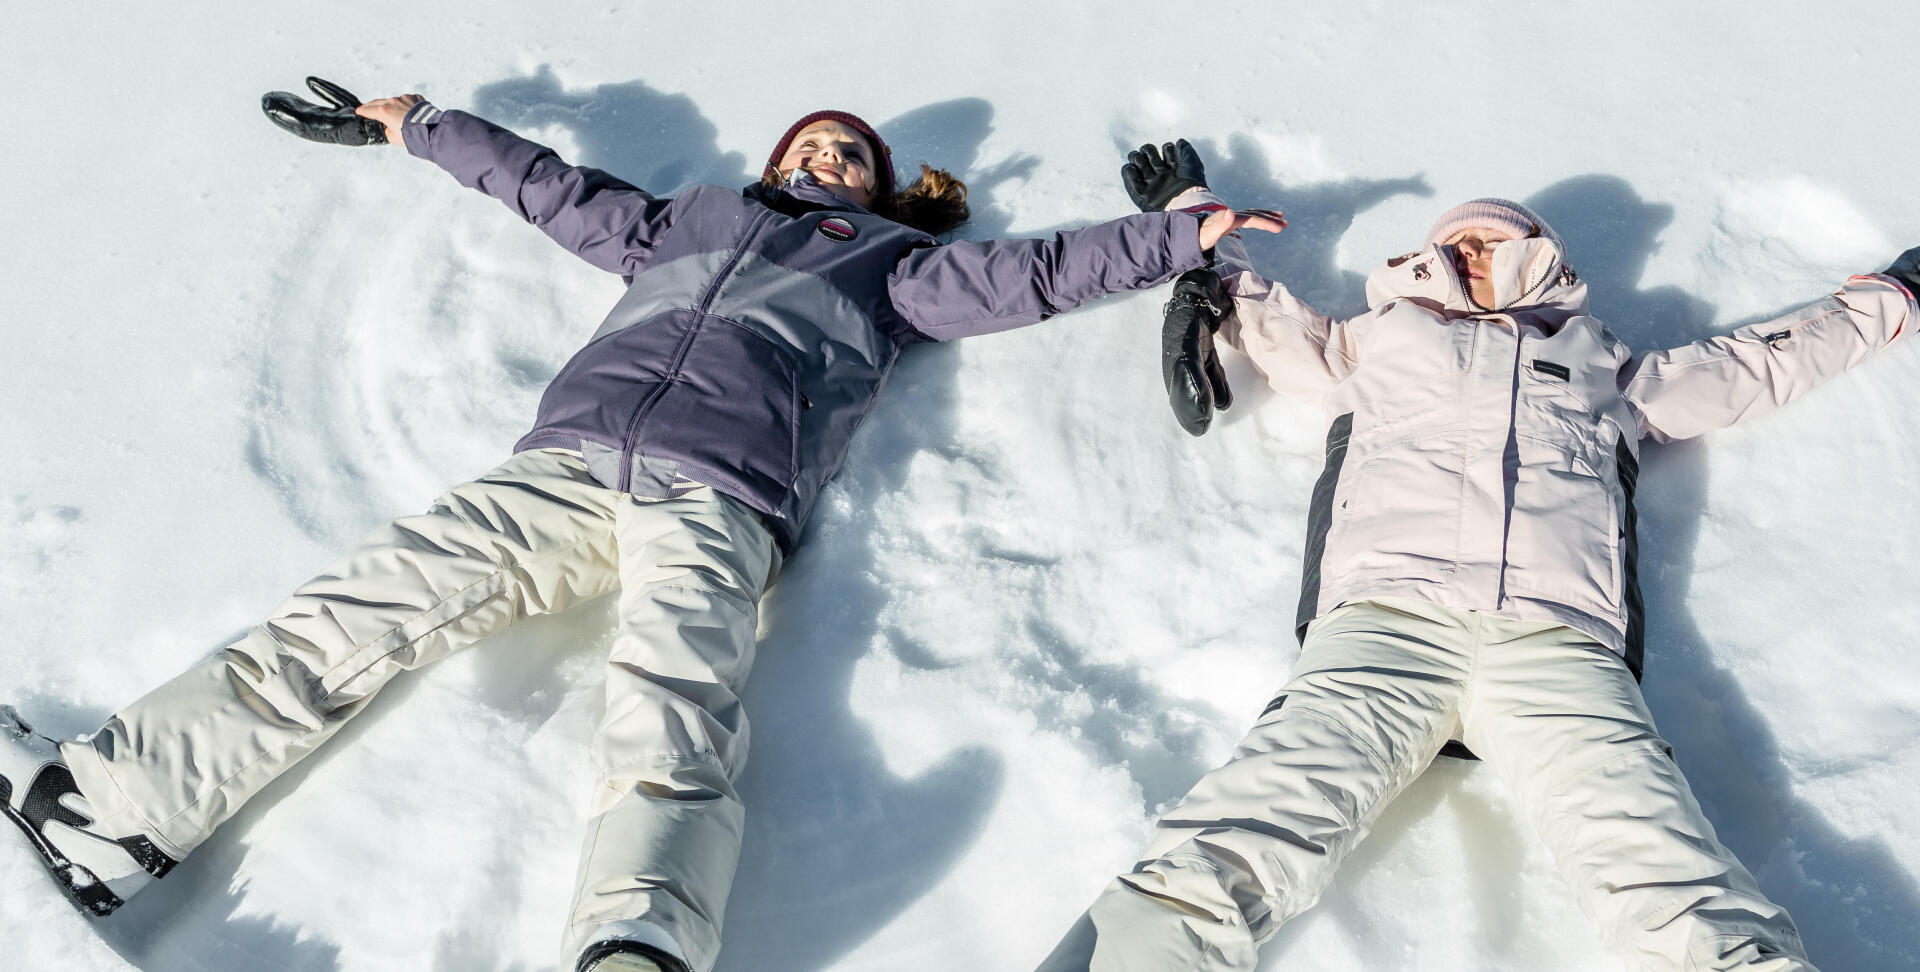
<point>1485,459</point>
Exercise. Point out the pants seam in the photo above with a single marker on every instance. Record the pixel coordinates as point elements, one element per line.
<point>1469,689</point>
<point>1334,724</point>
<point>499,572</point>
<point>725,598</point>
<point>500,569</point>
<point>152,829</point>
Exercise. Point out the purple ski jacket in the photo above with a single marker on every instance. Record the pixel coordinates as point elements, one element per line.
<point>759,325</point>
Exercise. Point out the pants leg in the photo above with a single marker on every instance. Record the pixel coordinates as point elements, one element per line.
<point>1562,721</point>
<point>1256,841</point>
<point>665,837</point>
<point>533,536</point>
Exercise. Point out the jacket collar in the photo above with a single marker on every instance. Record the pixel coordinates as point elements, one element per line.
<point>1531,278</point>
<point>800,194</point>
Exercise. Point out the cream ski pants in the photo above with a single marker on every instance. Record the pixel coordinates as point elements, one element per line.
<point>536,535</point>
<point>1380,686</point>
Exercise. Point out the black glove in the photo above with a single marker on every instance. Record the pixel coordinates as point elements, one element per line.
<point>1196,384</point>
<point>1153,176</point>
<point>337,125</point>
<point>1906,269</point>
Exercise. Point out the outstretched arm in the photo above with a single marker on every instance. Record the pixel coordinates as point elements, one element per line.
<point>1298,350</point>
<point>600,218</point>
<point>1196,384</point>
<point>1714,383</point>
<point>967,288</point>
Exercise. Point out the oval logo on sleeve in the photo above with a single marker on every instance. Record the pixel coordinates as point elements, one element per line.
<point>837,229</point>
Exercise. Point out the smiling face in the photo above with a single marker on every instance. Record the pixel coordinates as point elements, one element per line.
<point>1473,257</point>
<point>838,156</point>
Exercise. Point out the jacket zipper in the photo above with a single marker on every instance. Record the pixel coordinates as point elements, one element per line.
<point>1513,434</point>
<point>726,269</point>
<point>686,343</point>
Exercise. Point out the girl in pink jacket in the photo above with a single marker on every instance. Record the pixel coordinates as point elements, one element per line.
<point>1468,581</point>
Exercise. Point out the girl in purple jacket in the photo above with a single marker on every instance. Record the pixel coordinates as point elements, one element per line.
<point>673,459</point>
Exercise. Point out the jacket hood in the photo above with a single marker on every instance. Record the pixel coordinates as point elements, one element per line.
<point>1531,278</point>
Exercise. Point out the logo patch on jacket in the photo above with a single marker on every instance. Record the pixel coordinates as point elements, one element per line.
<point>1542,366</point>
<point>837,229</point>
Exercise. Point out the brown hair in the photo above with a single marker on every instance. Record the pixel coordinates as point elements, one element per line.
<point>935,203</point>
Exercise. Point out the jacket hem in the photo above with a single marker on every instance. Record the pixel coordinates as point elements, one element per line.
<point>1609,633</point>
<point>785,532</point>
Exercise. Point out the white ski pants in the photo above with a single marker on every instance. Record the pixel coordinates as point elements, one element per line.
<point>1380,686</point>
<point>536,535</point>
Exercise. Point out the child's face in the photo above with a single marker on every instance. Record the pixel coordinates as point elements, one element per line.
<point>838,157</point>
<point>1473,257</point>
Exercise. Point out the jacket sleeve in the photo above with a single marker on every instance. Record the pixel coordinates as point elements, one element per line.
<point>1714,383</point>
<point>955,290</point>
<point>1298,350</point>
<point>600,218</point>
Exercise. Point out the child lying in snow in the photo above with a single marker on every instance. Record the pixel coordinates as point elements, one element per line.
<point>1468,578</point>
<point>674,459</point>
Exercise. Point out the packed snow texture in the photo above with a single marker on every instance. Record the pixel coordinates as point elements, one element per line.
<point>1032,611</point>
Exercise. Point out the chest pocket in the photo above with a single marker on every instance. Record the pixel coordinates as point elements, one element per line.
<point>1564,532</point>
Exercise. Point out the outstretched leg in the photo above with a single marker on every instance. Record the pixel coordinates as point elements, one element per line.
<point>665,837</point>
<point>533,536</point>
<point>1561,720</point>
<point>1257,840</point>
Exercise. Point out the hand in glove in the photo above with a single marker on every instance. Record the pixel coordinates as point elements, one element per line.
<point>1196,384</point>
<point>1153,176</point>
<point>336,123</point>
<point>1906,269</point>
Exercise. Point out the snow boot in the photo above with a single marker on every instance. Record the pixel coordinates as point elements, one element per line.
<point>98,871</point>
<point>625,956</point>
<point>626,962</point>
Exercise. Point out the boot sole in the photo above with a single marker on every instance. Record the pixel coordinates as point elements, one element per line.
<point>81,886</point>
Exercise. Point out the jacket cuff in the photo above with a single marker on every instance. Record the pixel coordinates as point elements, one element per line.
<point>414,127</point>
<point>1185,243</point>
<point>1901,287</point>
<point>1898,284</point>
<point>1198,199</point>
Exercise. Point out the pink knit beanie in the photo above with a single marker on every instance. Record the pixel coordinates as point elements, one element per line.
<point>882,166</point>
<point>1510,217</point>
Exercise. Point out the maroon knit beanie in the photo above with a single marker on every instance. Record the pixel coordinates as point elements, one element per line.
<point>882,166</point>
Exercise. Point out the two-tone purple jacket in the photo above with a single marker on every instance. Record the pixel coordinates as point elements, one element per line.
<point>759,326</point>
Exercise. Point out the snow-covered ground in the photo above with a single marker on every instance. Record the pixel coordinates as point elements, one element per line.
<point>1032,611</point>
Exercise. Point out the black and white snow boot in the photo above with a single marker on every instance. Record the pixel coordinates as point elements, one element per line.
<point>98,871</point>
<point>619,955</point>
<point>626,962</point>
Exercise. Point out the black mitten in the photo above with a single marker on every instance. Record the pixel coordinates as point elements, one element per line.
<point>1906,269</point>
<point>1153,176</point>
<point>337,125</point>
<point>1196,384</point>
